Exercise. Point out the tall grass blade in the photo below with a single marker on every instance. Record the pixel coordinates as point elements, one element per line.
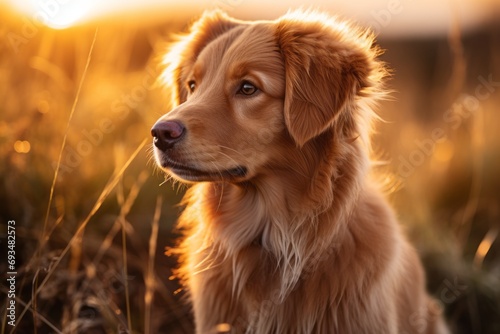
<point>150,276</point>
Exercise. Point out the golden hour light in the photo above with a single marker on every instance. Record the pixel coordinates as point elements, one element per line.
<point>444,151</point>
<point>62,14</point>
<point>194,166</point>
<point>56,14</point>
<point>22,146</point>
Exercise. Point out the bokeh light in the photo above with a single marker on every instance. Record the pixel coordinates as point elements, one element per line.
<point>22,146</point>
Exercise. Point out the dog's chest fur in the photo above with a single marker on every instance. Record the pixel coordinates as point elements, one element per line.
<point>249,286</point>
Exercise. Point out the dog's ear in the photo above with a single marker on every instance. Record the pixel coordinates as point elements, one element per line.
<point>327,64</point>
<point>182,53</point>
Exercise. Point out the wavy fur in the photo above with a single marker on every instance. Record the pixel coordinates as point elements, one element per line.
<point>303,242</point>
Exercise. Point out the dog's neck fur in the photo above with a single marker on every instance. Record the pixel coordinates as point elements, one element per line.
<point>267,220</point>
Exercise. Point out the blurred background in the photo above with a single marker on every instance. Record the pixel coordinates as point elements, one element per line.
<point>78,95</point>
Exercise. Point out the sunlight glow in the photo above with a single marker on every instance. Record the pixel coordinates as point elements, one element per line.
<point>386,17</point>
<point>56,14</point>
<point>444,151</point>
<point>61,14</point>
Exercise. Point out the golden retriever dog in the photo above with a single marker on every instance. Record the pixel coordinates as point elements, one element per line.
<point>284,232</point>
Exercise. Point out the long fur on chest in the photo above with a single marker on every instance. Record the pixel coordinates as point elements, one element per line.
<point>264,264</point>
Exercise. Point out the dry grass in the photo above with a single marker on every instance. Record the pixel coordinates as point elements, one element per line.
<point>92,221</point>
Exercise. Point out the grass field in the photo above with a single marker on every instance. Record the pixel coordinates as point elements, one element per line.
<point>93,215</point>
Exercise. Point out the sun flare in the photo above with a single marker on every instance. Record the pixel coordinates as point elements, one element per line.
<point>56,14</point>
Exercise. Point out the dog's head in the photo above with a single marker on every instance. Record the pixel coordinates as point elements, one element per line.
<point>248,94</point>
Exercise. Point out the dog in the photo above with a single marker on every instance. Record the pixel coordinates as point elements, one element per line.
<point>284,231</point>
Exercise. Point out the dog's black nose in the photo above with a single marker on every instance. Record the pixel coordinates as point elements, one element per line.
<point>167,133</point>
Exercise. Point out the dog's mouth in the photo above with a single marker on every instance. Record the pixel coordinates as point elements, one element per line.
<point>190,173</point>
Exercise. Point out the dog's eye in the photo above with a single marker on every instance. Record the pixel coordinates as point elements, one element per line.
<point>247,88</point>
<point>192,85</point>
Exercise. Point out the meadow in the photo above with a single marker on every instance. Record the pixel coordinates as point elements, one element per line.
<point>93,216</point>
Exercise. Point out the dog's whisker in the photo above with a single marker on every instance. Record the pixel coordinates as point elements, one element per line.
<point>229,157</point>
<point>230,149</point>
<point>164,181</point>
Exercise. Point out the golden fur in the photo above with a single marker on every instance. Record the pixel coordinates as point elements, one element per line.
<point>284,232</point>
